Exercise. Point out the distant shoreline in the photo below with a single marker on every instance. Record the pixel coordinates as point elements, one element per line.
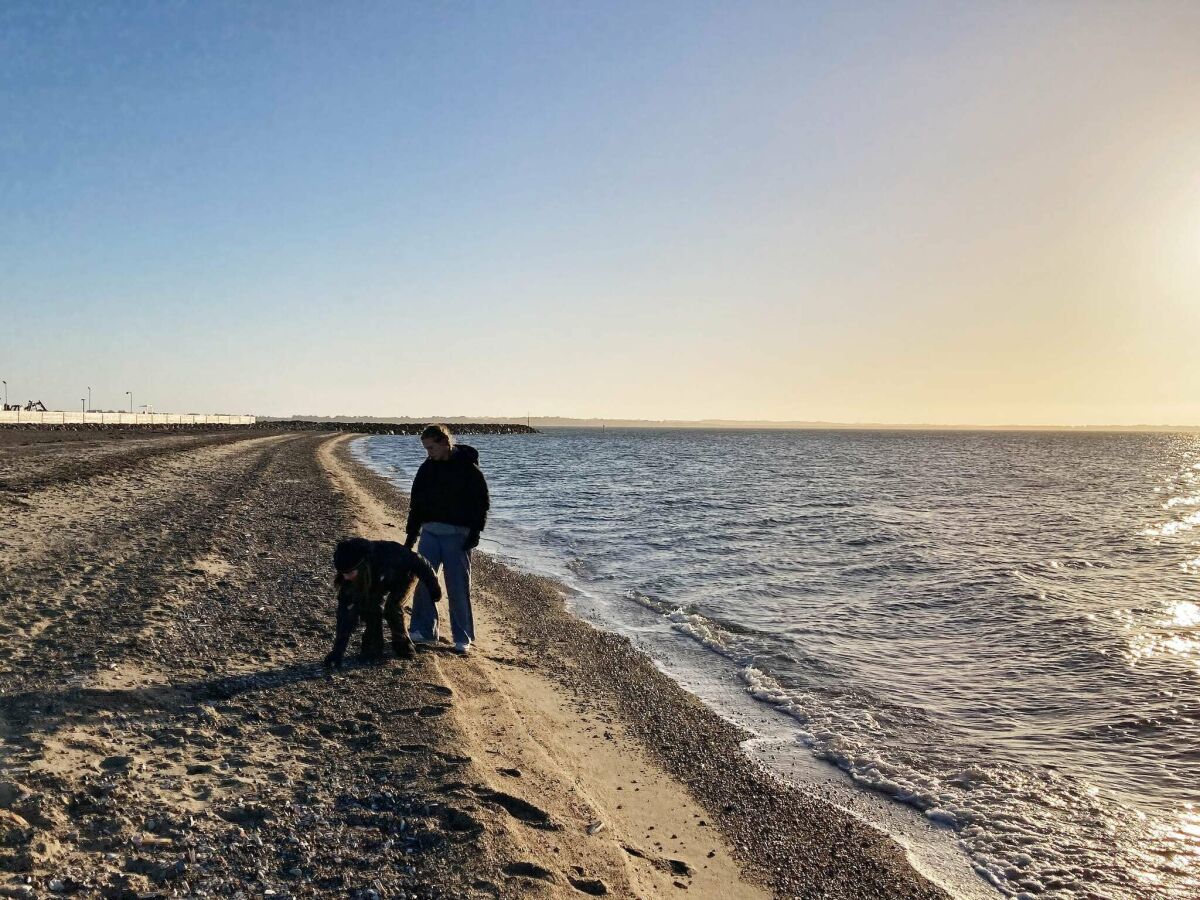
<point>272,426</point>
<point>539,422</point>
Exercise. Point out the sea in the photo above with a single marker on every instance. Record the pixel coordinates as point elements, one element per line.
<point>994,633</point>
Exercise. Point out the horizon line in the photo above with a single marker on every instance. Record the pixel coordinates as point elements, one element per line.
<point>780,424</point>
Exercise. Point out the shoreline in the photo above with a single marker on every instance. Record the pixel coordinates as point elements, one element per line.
<point>166,730</point>
<point>719,682</point>
<point>812,842</point>
<point>586,763</point>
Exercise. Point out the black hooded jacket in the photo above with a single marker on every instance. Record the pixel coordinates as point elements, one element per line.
<point>453,491</point>
<point>392,566</point>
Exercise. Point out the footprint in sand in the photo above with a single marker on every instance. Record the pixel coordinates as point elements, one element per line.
<point>437,689</point>
<point>116,763</point>
<point>519,809</point>
<point>593,886</point>
<point>529,870</point>
<point>457,820</point>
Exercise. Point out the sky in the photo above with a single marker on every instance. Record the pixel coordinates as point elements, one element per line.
<point>952,213</point>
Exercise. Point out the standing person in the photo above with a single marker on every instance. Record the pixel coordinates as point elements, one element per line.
<point>448,509</point>
<point>367,572</point>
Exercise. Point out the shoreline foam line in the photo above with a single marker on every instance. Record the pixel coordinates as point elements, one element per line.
<point>765,795</point>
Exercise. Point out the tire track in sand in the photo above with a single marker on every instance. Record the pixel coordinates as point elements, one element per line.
<point>88,565</point>
<point>30,467</point>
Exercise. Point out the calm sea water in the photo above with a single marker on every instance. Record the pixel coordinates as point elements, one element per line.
<point>1001,630</point>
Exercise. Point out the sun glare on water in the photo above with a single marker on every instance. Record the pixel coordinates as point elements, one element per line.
<point>1175,630</point>
<point>1174,846</point>
<point>1176,634</point>
<point>1187,614</point>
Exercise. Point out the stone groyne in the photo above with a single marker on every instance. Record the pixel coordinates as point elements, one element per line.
<point>396,427</point>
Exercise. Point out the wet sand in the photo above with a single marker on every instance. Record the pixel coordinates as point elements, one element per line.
<point>165,730</point>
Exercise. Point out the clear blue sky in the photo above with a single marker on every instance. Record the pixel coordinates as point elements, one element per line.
<point>954,212</point>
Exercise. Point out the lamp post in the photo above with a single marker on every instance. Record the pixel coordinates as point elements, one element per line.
<point>130,393</point>
<point>6,395</point>
<point>89,406</point>
<point>83,406</point>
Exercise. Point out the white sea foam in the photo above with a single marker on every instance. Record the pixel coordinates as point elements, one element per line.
<point>1188,500</point>
<point>827,734</point>
<point>700,629</point>
<point>1170,529</point>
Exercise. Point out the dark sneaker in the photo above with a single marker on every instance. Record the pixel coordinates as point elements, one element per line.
<point>404,649</point>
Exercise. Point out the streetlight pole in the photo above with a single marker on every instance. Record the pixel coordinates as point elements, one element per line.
<point>83,406</point>
<point>6,395</point>
<point>130,393</point>
<point>89,406</point>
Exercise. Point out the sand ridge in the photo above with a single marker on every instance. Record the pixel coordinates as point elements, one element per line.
<point>623,820</point>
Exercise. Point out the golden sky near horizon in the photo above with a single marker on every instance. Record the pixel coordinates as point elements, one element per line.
<point>957,214</point>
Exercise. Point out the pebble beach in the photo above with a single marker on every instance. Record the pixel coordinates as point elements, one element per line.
<point>166,730</point>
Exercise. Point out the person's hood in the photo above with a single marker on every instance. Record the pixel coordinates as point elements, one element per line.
<point>465,453</point>
<point>350,553</point>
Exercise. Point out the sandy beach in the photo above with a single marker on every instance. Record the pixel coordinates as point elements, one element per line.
<point>165,729</point>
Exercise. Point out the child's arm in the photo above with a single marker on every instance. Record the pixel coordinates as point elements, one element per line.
<point>347,618</point>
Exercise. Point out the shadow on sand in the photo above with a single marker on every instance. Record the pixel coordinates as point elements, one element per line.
<point>47,711</point>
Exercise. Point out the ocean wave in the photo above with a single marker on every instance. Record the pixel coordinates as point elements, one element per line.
<point>885,566</point>
<point>982,805</point>
<point>703,630</point>
<point>870,540</point>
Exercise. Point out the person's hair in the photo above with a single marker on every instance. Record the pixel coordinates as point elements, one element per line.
<point>362,584</point>
<point>439,433</point>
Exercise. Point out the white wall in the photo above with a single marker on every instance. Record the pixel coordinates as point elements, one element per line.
<point>56,417</point>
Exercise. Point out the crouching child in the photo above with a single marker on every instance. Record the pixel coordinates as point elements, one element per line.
<point>373,578</point>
